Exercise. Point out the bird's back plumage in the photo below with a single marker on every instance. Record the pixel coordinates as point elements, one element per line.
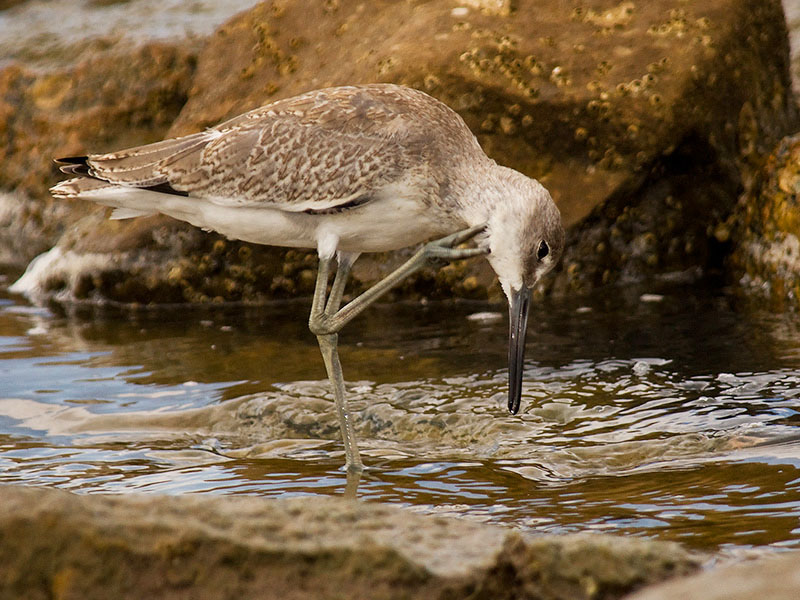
<point>327,150</point>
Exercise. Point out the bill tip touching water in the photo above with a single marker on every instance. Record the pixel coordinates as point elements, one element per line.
<point>344,170</point>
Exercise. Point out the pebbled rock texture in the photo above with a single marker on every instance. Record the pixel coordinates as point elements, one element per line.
<point>61,545</point>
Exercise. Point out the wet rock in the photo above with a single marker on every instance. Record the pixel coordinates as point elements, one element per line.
<point>645,120</point>
<point>773,578</point>
<point>57,544</point>
<point>48,35</point>
<point>120,96</point>
<point>766,231</point>
<point>156,260</point>
<point>29,227</point>
<point>643,150</point>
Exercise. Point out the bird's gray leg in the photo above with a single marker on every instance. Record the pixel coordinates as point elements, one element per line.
<point>327,319</point>
<point>330,354</point>
<point>344,262</point>
<point>320,291</point>
<point>328,345</point>
<point>443,249</point>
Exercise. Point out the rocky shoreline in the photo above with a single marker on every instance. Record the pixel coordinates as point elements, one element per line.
<point>62,545</point>
<point>666,131</point>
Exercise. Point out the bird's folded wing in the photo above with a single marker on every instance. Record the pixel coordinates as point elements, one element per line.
<point>303,154</point>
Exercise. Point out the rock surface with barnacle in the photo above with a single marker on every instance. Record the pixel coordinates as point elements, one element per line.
<point>766,226</point>
<point>645,120</point>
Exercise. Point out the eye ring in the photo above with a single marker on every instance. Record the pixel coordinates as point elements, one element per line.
<point>543,250</point>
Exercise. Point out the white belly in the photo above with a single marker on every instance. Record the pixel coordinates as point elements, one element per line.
<point>377,226</point>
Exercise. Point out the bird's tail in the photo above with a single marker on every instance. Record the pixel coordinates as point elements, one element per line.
<point>126,201</point>
<point>125,180</point>
<point>78,186</point>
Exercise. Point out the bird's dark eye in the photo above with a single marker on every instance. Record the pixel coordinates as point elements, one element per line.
<point>543,250</point>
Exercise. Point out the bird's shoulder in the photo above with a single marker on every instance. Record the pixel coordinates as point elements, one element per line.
<point>373,112</point>
<point>319,151</point>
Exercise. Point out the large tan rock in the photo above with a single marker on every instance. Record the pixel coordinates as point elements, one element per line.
<point>644,119</point>
<point>580,99</point>
<point>60,545</point>
<point>641,117</point>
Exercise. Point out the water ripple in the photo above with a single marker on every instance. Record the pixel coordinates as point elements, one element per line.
<point>619,431</point>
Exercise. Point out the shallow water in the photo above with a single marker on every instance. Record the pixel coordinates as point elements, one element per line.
<point>668,416</point>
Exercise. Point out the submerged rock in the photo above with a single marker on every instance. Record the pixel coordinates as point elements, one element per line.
<point>645,120</point>
<point>62,545</point>
<point>766,259</point>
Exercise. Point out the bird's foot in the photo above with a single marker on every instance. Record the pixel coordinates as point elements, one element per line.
<point>445,249</point>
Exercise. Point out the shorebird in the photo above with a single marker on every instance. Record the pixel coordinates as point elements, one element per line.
<point>344,170</point>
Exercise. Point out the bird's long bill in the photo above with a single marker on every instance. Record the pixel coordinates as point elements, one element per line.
<point>518,304</point>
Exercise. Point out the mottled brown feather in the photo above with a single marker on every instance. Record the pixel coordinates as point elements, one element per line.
<point>317,151</point>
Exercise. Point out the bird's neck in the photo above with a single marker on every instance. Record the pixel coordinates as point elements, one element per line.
<point>485,191</point>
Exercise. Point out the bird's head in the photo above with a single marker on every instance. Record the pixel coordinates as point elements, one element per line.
<point>525,239</point>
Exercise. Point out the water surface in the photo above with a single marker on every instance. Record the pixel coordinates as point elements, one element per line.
<point>672,416</point>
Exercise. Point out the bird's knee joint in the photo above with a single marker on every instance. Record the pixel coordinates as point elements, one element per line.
<point>321,325</point>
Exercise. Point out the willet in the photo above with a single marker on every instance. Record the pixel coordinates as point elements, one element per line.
<point>344,170</point>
